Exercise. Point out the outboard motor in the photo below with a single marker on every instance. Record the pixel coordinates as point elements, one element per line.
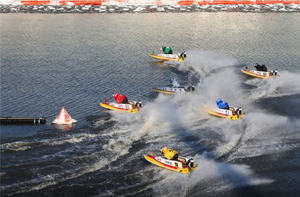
<point>139,104</point>
<point>191,88</point>
<point>239,111</point>
<point>275,72</point>
<point>183,55</point>
<point>191,162</point>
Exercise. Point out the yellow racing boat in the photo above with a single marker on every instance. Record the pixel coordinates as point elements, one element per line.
<point>233,113</point>
<point>260,74</point>
<point>131,107</point>
<point>172,164</point>
<point>170,57</point>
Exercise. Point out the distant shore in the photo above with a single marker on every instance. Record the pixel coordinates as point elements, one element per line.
<point>60,9</point>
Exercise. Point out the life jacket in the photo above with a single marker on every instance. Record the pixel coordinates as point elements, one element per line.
<point>264,68</point>
<point>169,153</point>
<point>119,98</point>
<point>167,50</point>
<point>261,68</point>
<point>222,104</point>
<point>258,67</point>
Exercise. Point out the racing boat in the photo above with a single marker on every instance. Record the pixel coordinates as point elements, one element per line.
<point>233,113</point>
<point>173,165</point>
<point>173,90</point>
<point>260,74</point>
<point>131,107</point>
<point>170,57</point>
<point>174,87</point>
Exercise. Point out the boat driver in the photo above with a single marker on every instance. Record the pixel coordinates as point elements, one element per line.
<point>173,155</point>
<point>166,50</point>
<point>121,98</point>
<point>260,67</point>
<point>222,104</point>
<point>169,153</point>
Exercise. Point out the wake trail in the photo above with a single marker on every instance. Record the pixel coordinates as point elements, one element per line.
<point>285,84</point>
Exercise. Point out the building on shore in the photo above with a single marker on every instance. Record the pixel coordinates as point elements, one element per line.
<point>147,2</point>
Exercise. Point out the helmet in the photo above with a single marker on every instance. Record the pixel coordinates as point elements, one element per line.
<point>219,101</point>
<point>163,149</point>
<point>115,94</point>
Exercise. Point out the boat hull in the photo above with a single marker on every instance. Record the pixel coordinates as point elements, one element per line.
<point>173,90</point>
<point>163,91</point>
<point>224,113</point>
<point>130,108</point>
<point>173,165</point>
<point>259,74</point>
<point>167,57</point>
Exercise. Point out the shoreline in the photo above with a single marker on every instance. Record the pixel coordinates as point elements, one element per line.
<point>60,9</point>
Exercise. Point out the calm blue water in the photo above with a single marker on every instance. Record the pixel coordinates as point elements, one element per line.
<point>77,60</point>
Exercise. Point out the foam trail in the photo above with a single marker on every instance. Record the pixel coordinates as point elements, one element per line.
<point>286,84</point>
<point>204,62</point>
<point>167,118</point>
<point>219,82</point>
<point>132,131</point>
<point>266,134</point>
<point>224,176</point>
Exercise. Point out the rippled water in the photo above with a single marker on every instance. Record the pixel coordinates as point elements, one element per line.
<point>77,60</point>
